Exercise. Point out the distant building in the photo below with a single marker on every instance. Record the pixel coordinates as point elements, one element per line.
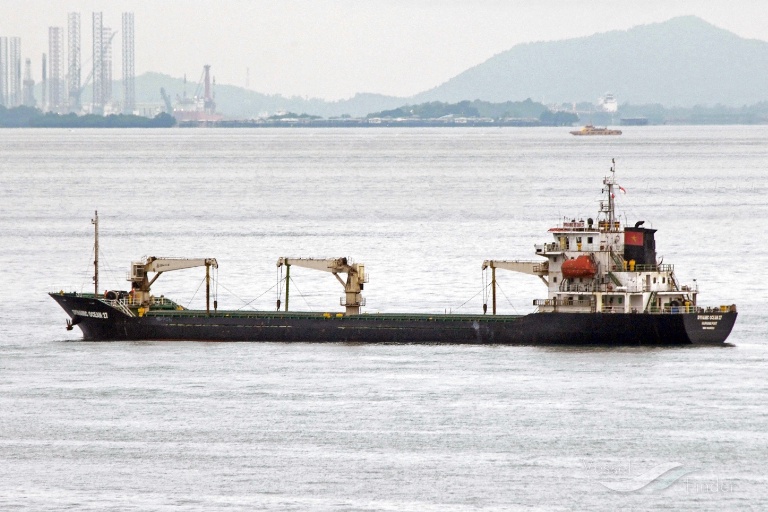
<point>29,85</point>
<point>4,71</point>
<point>14,72</point>
<point>149,109</point>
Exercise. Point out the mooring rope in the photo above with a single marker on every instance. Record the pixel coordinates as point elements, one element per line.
<point>246,304</point>
<point>472,297</point>
<point>505,296</point>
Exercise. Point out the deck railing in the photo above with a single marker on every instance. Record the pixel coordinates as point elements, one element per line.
<point>552,247</point>
<point>678,310</point>
<point>612,309</point>
<point>343,302</point>
<point>664,310</point>
<point>562,302</point>
<point>127,303</point>
<point>120,305</point>
<point>654,268</point>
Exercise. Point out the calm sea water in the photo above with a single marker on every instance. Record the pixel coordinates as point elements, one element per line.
<point>201,426</point>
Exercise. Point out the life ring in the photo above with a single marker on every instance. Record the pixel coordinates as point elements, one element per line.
<point>610,287</point>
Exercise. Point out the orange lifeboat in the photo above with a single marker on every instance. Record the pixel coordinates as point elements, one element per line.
<point>579,267</point>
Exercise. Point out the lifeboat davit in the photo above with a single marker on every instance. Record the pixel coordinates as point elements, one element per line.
<point>578,267</point>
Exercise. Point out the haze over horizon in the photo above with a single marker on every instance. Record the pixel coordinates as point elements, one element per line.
<point>336,49</point>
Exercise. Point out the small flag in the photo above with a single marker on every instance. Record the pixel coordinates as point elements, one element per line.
<point>623,190</point>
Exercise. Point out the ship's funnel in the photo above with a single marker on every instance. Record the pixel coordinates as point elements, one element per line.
<point>640,245</point>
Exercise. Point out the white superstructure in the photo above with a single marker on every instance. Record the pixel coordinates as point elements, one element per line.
<point>608,103</point>
<point>601,266</point>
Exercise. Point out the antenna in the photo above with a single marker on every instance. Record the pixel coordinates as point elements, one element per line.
<point>609,182</point>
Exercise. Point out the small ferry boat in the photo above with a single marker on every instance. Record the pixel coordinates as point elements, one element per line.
<point>604,285</point>
<point>595,130</point>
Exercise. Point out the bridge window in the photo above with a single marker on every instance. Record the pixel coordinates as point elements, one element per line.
<point>589,239</point>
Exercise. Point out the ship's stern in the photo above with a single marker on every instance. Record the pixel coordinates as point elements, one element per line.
<point>711,327</point>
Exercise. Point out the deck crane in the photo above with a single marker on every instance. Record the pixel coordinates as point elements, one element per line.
<point>356,278</point>
<point>535,268</point>
<point>140,282</point>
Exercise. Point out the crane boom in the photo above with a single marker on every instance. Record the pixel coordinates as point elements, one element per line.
<point>333,265</point>
<point>356,278</point>
<point>141,284</point>
<point>534,268</point>
<point>154,264</point>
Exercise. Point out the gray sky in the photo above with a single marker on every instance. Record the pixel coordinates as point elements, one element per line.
<point>334,49</point>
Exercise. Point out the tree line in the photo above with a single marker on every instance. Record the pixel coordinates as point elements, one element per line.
<point>30,117</point>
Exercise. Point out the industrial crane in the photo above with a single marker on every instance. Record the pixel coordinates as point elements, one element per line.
<point>356,278</point>
<point>540,269</point>
<point>140,282</point>
<point>74,94</point>
<point>167,101</point>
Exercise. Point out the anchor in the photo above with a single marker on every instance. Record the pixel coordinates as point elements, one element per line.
<point>71,324</point>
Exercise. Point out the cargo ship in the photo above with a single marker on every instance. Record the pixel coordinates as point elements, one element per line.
<point>604,287</point>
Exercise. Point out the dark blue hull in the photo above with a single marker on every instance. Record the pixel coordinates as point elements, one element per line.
<point>101,322</point>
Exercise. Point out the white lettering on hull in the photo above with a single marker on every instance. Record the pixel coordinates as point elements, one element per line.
<point>90,314</point>
<point>709,322</point>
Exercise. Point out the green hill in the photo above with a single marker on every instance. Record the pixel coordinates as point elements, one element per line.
<point>683,61</point>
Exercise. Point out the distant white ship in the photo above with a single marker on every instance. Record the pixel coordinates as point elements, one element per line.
<point>608,103</point>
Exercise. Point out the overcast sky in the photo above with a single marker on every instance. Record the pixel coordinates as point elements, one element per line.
<point>334,49</point>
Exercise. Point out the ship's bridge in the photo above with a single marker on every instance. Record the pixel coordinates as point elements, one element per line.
<point>572,235</point>
<point>575,226</point>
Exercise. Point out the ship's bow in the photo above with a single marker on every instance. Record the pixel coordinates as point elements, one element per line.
<point>97,319</point>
